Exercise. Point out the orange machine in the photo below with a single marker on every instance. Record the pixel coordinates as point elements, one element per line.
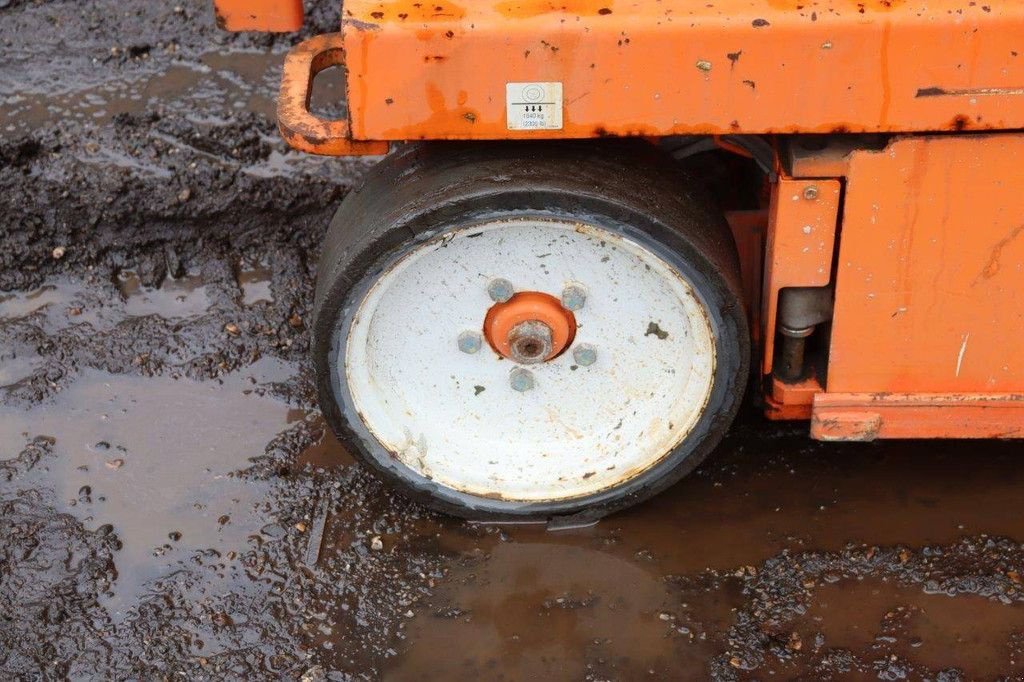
<point>882,259</point>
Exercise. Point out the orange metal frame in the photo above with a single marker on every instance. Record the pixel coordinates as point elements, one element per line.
<point>921,236</point>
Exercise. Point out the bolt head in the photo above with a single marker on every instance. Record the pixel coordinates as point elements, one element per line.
<point>584,354</point>
<point>500,290</point>
<point>574,296</point>
<point>469,342</point>
<point>810,193</point>
<point>521,379</point>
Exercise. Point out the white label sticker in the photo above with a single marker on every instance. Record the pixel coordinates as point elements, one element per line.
<point>533,106</point>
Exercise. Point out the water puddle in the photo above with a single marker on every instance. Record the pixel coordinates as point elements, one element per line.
<point>655,590</point>
<point>875,619</point>
<point>536,609</point>
<point>217,84</point>
<point>207,84</point>
<point>326,452</point>
<point>155,458</point>
<point>182,297</point>
<point>254,281</point>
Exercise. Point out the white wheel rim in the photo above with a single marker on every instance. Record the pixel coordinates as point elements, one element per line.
<point>452,417</point>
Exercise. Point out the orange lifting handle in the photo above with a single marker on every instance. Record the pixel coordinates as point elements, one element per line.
<point>303,130</point>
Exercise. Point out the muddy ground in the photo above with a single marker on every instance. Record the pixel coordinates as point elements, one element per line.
<point>171,508</point>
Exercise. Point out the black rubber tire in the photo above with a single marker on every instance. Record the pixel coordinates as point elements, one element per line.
<point>628,186</point>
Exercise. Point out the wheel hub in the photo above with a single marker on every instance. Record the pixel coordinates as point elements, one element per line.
<point>530,327</point>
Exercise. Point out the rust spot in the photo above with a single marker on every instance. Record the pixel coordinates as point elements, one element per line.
<point>960,122</point>
<point>929,92</point>
<point>401,10</point>
<point>734,56</point>
<point>759,23</point>
<point>751,84</point>
<point>604,10</point>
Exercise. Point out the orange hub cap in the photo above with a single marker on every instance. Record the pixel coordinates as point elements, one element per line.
<point>512,323</point>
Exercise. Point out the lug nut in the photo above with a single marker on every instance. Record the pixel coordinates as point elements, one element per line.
<point>469,342</point>
<point>500,290</point>
<point>584,354</point>
<point>574,296</point>
<point>521,379</point>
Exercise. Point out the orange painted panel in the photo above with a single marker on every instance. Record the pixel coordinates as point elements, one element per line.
<point>275,16</point>
<point>930,280</point>
<point>867,416</point>
<point>801,238</point>
<point>439,70</point>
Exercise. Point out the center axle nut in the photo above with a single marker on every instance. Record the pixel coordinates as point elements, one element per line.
<point>529,327</point>
<point>530,342</point>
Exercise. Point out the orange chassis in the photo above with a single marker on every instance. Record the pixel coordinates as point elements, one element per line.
<point>898,182</point>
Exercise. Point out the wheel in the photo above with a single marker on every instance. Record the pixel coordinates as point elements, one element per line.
<point>529,330</point>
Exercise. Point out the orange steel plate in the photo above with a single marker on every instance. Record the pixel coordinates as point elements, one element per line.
<point>801,238</point>
<point>860,416</point>
<point>259,15</point>
<point>930,270</point>
<point>439,69</point>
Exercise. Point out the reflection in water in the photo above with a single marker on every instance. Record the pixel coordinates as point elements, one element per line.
<point>154,458</point>
<point>680,584</point>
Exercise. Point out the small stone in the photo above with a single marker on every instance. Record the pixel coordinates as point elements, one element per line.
<point>232,328</point>
<point>314,674</point>
<point>115,463</point>
<point>301,527</point>
<point>665,616</point>
<point>295,321</point>
<point>58,252</point>
<point>376,544</point>
<point>704,65</point>
<point>184,195</point>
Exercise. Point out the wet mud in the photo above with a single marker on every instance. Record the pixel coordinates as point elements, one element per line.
<point>172,508</point>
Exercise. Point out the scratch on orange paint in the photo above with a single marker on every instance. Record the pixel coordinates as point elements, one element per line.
<point>886,84</point>
<point>993,265</point>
